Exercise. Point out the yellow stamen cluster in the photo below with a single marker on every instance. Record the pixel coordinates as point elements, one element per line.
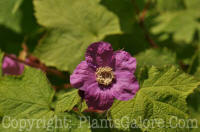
<point>104,75</point>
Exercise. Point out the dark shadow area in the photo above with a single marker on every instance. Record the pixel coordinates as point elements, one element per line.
<point>129,42</point>
<point>10,42</point>
<point>194,99</point>
<point>124,10</point>
<point>183,51</point>
<point>28,22</point>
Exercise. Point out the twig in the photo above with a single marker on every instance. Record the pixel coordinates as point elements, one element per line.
<point>144,12</point>
<point>95,111</point>
<point>32,62</point>
<point>141,16</point>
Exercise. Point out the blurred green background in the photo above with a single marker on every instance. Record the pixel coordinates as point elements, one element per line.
<point>55,33</point>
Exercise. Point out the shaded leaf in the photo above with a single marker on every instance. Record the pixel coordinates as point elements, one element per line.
<point>156,57</point>
<point>172,22</point>
<point>76,26</point>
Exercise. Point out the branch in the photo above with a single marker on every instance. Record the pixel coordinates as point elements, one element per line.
<point>34,62</point>
<point>141,15</point>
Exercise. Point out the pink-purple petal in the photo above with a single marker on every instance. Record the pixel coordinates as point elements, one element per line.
<point>99,54</point>
<point>124,61</point>
<point>82,76</point>
<point>12,67</point>
<point>126,86</point>
<point>97,98</point>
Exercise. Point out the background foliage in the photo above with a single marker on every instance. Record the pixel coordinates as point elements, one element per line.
<point>163,35</point>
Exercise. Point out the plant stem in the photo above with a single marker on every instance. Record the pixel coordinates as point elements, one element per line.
<point>38,65</point>
<point>141,15</point>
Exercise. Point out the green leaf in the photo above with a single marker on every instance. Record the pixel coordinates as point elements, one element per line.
<point>9,14</point>
<point>61,122</point>
<point>197,73</point>
<point>172,19</point>
<point>29,94</point>
<point>193,4</point>
<point>3,128</point>
<point>17,24</point>
<point>194,68</point>
<point>74,123</point>
<point>124,9</point>
<point>29,98</point>
<point>156,57</point>
<point>72,26</point>
<point>17,15</point>
<point>82,106</point>
<point>66,101</point>
<point>172,23</point>
<point>161,96</point>
<point>194,109</point>
<point>170,5</point>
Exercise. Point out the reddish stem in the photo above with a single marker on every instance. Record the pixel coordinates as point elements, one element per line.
<point>142,15</point>
<point>34,62</point>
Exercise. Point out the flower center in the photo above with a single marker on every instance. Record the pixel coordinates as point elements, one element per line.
<point>104,75</point>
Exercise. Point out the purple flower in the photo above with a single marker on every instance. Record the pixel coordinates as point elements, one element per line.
<point>12,67</point>
<point>105,75</point>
